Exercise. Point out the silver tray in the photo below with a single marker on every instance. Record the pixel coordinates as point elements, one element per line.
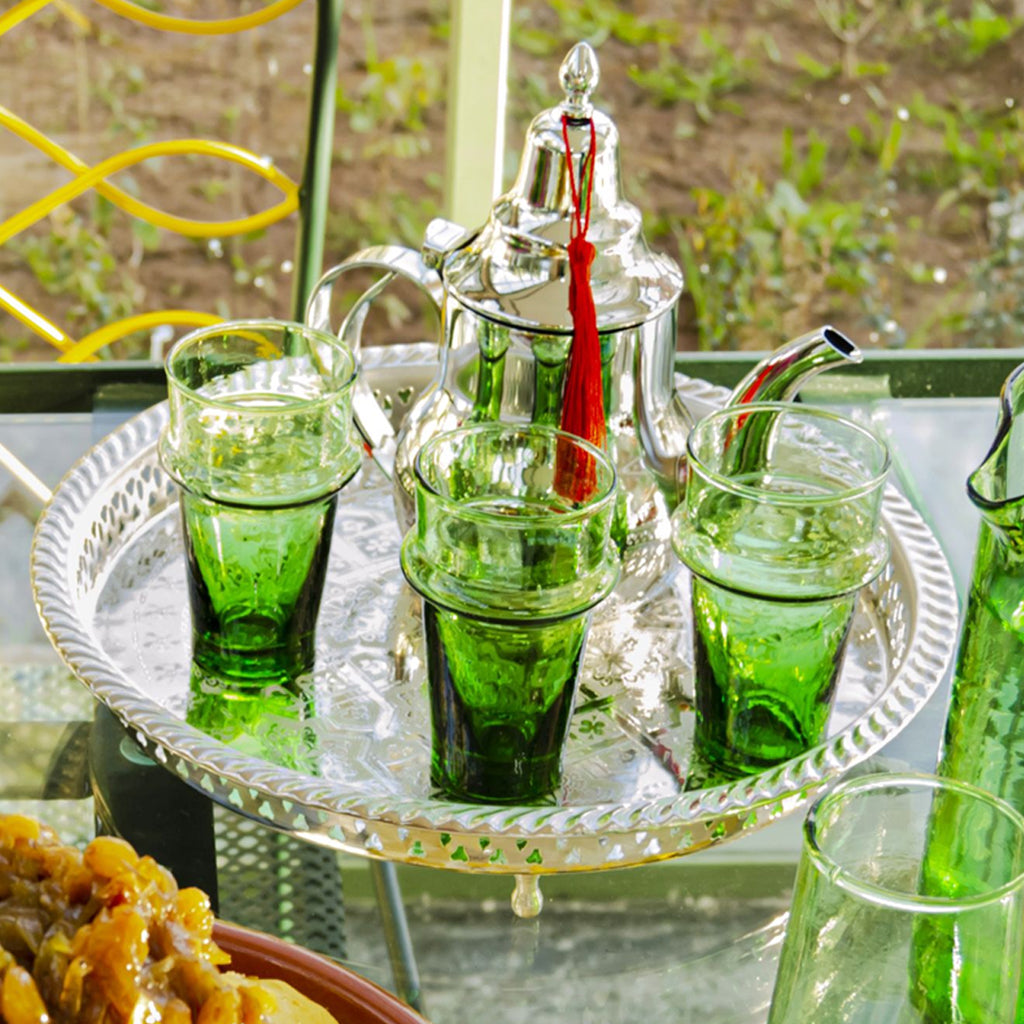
<point>109,578</point>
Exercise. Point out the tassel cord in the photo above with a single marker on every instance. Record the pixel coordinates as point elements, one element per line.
<point>583,394</point>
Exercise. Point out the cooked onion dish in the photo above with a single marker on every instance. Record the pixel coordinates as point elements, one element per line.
<point>104,936</point>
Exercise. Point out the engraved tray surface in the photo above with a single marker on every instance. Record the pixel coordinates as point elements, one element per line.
<point>349,766</point>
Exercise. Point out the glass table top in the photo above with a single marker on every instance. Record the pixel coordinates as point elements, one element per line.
<point>691,939</point>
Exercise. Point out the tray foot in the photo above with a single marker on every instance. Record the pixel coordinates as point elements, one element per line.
<point>527,899</point>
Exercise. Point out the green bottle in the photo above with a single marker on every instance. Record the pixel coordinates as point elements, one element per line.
<point>984,735</point>
<point>983,742</point>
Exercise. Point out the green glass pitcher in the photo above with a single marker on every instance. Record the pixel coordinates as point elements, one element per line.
<point>984,735</point>
<point>983,743</point>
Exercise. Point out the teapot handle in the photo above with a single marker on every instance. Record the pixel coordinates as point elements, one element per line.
<point>371,420</point>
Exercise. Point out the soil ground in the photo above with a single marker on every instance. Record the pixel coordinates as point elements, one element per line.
<point>888,246</point>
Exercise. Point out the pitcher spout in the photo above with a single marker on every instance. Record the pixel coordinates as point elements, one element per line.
<point>996,487</point>
<point>664,421</point>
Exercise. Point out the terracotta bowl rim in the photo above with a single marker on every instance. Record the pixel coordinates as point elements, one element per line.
<point>325,981</point>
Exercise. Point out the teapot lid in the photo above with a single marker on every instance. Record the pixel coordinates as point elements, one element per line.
<point>516,268</point>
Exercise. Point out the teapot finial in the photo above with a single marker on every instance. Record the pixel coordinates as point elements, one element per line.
<point>579,75</point>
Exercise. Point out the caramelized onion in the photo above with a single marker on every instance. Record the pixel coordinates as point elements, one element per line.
<point>105,936</point>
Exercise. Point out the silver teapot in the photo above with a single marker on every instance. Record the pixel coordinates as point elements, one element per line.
<point>502,294</point>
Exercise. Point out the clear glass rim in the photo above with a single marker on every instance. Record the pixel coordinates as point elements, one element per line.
<point>879,895</point>
<point>484,602</point>
<point>588,508</point>
<point>809,412</point>
<point>263,325</point>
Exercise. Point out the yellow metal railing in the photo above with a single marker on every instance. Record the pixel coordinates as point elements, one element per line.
<point>96,177</point>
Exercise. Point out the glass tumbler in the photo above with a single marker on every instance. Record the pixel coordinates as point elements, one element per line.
<point>780,528</point>
<point>509,569</point>
<point>260,441</point>
<point>891,925</point>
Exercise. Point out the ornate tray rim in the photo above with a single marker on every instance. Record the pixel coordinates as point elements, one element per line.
<point>329,814</point>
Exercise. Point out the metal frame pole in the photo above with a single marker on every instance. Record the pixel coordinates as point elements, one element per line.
<point>477,92</point>
<point>314,190</point>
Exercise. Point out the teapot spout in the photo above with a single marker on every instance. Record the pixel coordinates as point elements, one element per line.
<point>779,377</point>
<point>663,421</point>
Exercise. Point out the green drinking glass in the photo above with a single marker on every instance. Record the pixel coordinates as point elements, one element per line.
<point>780,527</point>
<point>509,570</point>
<point>259,441</point>
<point>259,718</point>
<point>889,925</point>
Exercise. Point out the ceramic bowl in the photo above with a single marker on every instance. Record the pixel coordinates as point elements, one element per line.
<point>347,996</point>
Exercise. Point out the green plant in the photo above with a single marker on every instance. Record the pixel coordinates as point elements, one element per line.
<point>805,171</point>
<point>965,153</point>
<point>248,273</point>
<point>395,93</point>
<point>376,220</point>
<point>993,313</point>
<point>593,21</point>
<point>851,22</point>
<point>816,71</point>
<point>529,94</point>
<point>879,141</point>
<point>970,38</point>
<point>598,20</point>
<point>75,259</point>
<point>113,87</point>
<point>391,101</point>
<point>716,71</point>
<point>526,35</point>
<point>383,218</point>
<point>531,39</point>
<point>763,259</point>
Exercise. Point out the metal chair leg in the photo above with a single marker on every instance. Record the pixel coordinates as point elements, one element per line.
<point>396,933</point>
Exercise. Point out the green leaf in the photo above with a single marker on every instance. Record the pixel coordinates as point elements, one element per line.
<point>891,148</point>
<point>787,200</point>
<point>818,71</point>
<point>148,234</point>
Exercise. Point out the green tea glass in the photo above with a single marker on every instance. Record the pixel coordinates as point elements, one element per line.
<point>260,441</point>
<point>889,926</point>
<point>780,527</point>
<point>509,570</point>
<point>262,719</point>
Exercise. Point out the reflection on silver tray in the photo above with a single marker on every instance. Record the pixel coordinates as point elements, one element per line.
<point>349,767</point>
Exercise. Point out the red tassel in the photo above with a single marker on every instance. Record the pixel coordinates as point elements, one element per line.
<point>583,393</point>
